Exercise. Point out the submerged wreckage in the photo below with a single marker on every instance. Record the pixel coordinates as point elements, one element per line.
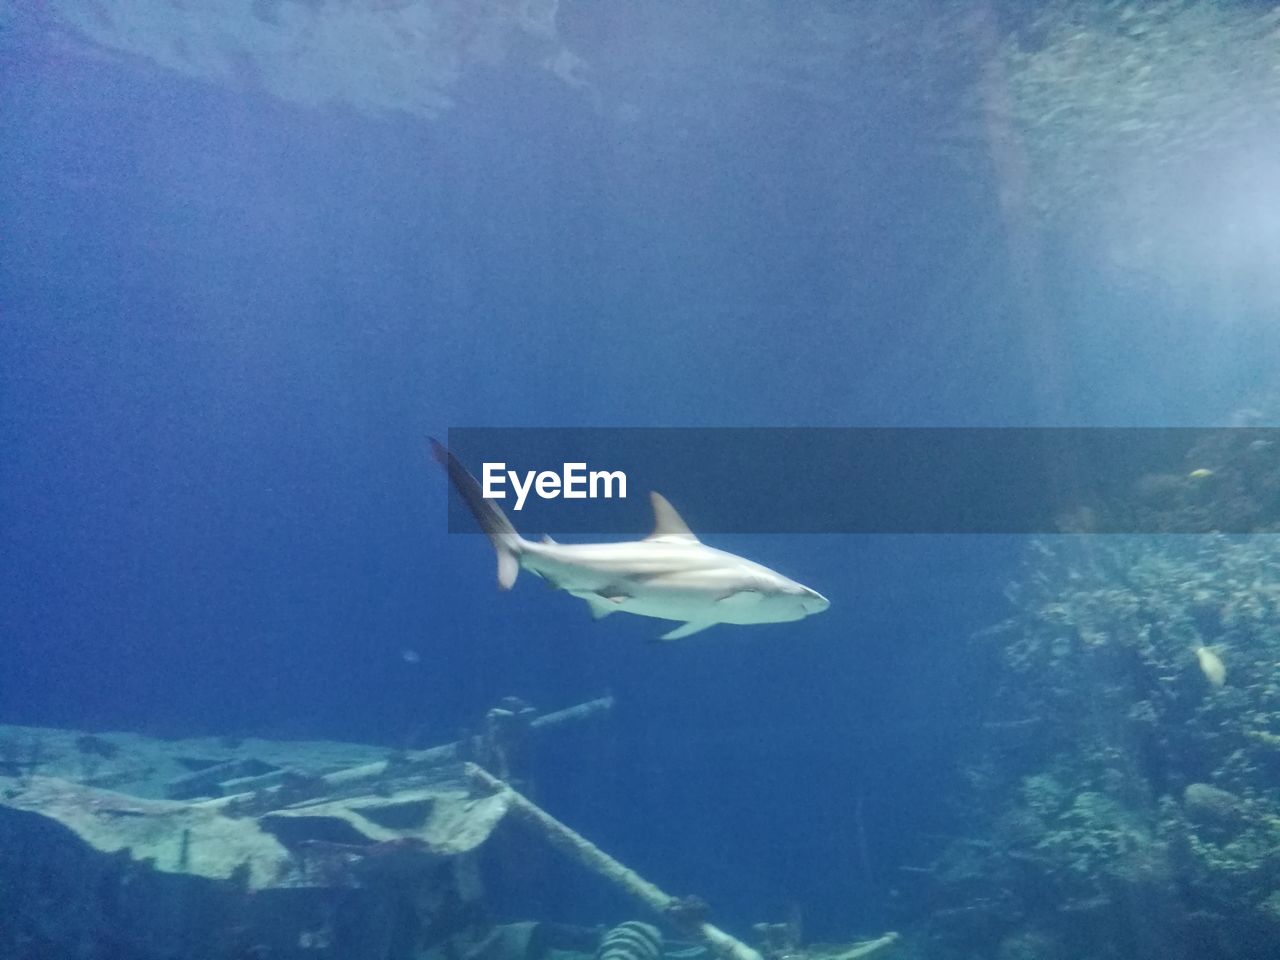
<point>125,846</point>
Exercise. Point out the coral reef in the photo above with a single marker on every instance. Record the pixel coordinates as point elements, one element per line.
<point>1125,798</point>
<point>1097,84</point>
<point>1120,112</point>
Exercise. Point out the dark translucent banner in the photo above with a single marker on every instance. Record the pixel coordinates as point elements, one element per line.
<point>876,480</point>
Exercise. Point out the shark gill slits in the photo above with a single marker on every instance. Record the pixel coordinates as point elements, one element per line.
<point>632,940</point>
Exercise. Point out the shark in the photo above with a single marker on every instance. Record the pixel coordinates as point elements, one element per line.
<point>669,575</point>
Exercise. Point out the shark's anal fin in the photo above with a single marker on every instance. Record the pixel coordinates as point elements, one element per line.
<point>602,606</point>
<point>688,629</point>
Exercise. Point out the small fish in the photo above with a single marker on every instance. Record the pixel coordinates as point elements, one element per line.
<point>1211,665</point>
<point>1261,446</point>
<point>410,656</point>
<point>1201,473</point>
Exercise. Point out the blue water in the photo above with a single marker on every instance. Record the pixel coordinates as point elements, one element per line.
<point>228,324</point>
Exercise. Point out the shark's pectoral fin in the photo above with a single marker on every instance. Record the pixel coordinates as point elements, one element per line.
<point>688,630</point>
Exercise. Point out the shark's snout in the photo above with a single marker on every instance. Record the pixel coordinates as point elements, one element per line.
<point>813,601</point>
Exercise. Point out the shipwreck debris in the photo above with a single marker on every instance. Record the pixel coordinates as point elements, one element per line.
<point>687,913</point>
<point>588,855</point>
<point>407,763</point>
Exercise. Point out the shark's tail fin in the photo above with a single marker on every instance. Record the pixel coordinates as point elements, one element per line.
<point>492,520</point>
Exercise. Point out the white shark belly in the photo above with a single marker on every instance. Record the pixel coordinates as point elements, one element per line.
<point>691,609</point>
<point>684,582</point>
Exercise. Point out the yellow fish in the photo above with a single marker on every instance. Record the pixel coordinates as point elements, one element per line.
<point>1211,665</point>
<point>1201,473</point>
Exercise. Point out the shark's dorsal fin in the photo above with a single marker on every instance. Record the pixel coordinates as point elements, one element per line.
<point>667,524</point>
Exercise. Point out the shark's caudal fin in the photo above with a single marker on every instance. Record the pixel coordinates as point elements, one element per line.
<point>492,520</point>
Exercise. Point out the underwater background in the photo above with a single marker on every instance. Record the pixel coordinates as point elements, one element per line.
<point>249,261</point>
